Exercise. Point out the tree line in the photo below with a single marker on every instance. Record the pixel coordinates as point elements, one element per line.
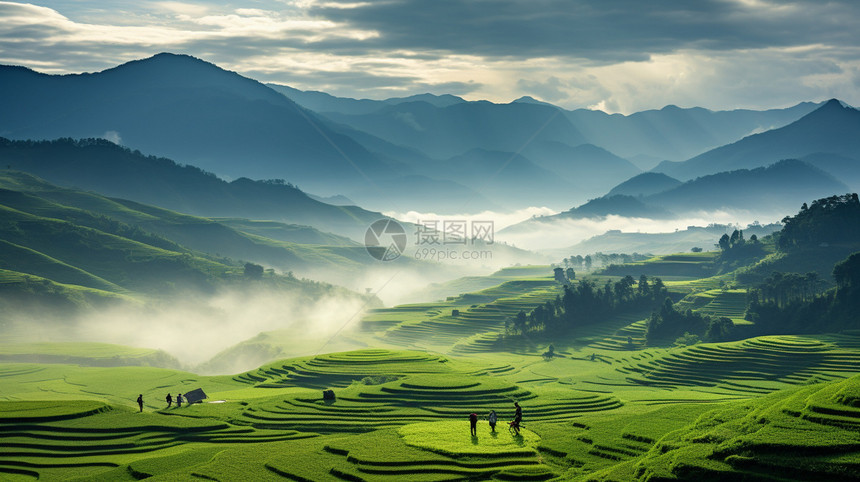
<point>586,303</point>
<point>586,262</point>
<point>793,303</point>
<point>669,323</point>
<point>834,219</point>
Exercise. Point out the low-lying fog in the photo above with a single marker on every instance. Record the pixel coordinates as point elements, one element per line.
<point>562,233</point>
<point>196,328</point>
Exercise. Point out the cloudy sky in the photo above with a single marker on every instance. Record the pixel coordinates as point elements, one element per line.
<point>616,55</point>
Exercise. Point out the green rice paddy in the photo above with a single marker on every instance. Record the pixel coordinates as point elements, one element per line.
<point>607,407</point>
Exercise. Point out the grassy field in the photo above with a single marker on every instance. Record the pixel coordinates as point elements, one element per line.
<point>406,378</point>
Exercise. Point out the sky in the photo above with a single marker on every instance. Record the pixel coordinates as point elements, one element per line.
<point>614,55</point>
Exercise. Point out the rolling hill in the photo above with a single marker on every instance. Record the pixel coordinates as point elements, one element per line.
<point>299,249</point>
<point>101,166</point>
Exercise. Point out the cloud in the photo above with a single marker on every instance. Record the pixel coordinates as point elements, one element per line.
<point>616,55</point>
<point>606,31</point>
<point>550,90</point>
<point>113,136</point>
<point>500,220</point>
<point>562,233</point>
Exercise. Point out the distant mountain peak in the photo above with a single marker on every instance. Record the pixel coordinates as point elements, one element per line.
<point>644,184</point>
<point>527,99</point>
<point>832,113</point>
<point>836,104</point>
<point>443,100</point>
<point>170,60</point>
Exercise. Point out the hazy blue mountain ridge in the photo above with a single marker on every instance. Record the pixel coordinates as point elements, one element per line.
<point>104,167</point>
<point>832,129</point>
<point>645,184</point>
<point>188,109</point>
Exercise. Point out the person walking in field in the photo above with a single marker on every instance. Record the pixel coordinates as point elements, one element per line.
<point>518,417</point>
<point>178,400</point>
<point>169,400</point>
<point>140,401</point>
<point>492,418</point>
<point>473,421</point>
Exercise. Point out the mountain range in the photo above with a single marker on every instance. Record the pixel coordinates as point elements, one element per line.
<point>188,109</point>
<point>420,151</point>
<point>826,137</point>
<point>766,192</point>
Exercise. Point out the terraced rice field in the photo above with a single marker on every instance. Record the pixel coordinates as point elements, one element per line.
<point>810,433</point>
<point>484,457</point>
<point>747,367</point>
<point>60,440</point>
<point>669,267</point>
<point>472,316</point>
<point>401,388</point>
<point>341,369</point>
<point>730,303</point>
<point>607,407</point>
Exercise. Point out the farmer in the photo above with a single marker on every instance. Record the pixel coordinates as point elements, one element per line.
<point>492,419</point>
<point>169,400</point>
<point>518,417</point>
<point>140,401</point>
<point>178,400</point>
<point>473,421</point>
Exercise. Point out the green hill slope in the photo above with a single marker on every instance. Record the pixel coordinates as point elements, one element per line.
<point>101,166</point>
<point>807,433</point>
<point>238,239</point>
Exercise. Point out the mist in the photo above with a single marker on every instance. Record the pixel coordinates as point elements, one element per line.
<point>195,329</point>
<point>562,233</point>
<point>556,233</point>
<point>501,220</point>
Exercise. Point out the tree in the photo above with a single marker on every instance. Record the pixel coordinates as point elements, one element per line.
<point>624,289</point>
<point>847,272</point>
<point>696,249</point>
<point>687,339</point>
<point>520,322</point>
<point>719,329</point>
<point>724,242</point>
<point>549,353</point>
<point>253,271</point>
<point>643,288</point>
<point>835,219</point>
